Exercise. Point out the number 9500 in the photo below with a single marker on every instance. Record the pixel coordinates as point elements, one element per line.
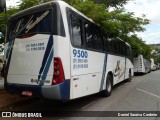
<point>80,53</point>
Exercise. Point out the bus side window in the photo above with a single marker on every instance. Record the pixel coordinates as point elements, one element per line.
<point>88,35</point>
<point>105,43</point>
<point>128,51</point>
<point>110,45</point>
<point>123,49</point>
<point>76,26</point>
<point>121,46</point>
<point>97,39</point>
<point>117,46</point>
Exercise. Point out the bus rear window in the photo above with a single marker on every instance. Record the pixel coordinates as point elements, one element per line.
<point>38,22</point>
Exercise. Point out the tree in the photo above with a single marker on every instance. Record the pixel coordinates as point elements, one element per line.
<point>29,3</point>
<point>116,23</point>
<point>138,46</point>
<point>111,3</point>
<point>108,3</point>
<point>3,21</point>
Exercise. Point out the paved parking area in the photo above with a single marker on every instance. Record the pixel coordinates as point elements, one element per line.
<point>1,83</point>
<point>7,98</point>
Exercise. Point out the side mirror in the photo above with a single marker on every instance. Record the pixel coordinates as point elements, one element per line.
<point>2,5</point>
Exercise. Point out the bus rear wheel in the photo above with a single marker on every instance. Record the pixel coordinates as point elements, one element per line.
<point>130,77</point>
<point>108,90</point>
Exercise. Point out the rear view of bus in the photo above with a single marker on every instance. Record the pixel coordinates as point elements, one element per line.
<point>33,66</point>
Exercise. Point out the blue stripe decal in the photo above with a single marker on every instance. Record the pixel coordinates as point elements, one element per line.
<point>46,69</point>
<point>104,72</point>
<point>9,54</point>
<point>47,65</point>
<point>36,90</point>
<point>48,56</point>
<point>62,89</point>
<point>8,49</point>
<point>65,90</point>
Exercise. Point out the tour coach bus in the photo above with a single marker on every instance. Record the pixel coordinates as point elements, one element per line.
<point>153,65</point>
<point>53,51</point>
<point>141,64</point>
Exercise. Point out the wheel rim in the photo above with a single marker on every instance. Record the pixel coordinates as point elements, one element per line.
<point>109,86</point>
<point>130,76</point>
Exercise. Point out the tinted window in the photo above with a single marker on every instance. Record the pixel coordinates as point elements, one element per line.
<point>110,45</point>
<point>117,46</point>
<point>76,25</point>
<point>123,49</point>
<point>120,47</point>
<point>128,51</point>
<point>97,40</point>
<point>38,22</point>
<point>88,35</point>
<point>105,43</point>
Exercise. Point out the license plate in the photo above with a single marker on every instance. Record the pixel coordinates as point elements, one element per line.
<point>27,93</point>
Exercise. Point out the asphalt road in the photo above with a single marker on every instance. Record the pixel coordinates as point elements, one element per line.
<point>141,94</point>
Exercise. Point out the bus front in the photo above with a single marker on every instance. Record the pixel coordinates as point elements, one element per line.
<point>31,67</point>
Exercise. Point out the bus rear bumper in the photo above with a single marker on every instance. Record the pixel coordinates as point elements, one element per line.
<point>56,92</point>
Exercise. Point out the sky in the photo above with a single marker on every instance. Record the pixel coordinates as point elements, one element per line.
<point>12,2</point>
<point>151,8</point>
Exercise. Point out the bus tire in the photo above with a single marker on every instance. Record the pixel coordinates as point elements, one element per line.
<point>108,90</point>
<point>130,77</point>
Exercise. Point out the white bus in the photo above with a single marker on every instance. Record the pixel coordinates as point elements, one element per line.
<point>141,65</point>
<point>147,64</point>
<point>153,65</point>
<point>53,51</point>
<point>158,65</point>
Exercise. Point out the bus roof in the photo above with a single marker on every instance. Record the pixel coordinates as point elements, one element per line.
<point>127,44</point>
<point>65,5</point>
<point>62,4</point>
<point>31,9</point>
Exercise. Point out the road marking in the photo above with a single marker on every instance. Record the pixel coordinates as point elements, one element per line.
<point>88,105</point>
<point>148,93</point>
<point>153,79</point>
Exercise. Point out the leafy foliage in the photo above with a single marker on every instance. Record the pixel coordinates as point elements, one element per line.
<point>117,22</point>
<point>138,46</point>
<point>29,3</point>
<point>111,3</point>
<point>3,22</point>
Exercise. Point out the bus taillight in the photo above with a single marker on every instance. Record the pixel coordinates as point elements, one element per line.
<point>58,75</point>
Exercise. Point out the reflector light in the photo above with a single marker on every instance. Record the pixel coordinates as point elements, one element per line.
<point>58,75</point>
